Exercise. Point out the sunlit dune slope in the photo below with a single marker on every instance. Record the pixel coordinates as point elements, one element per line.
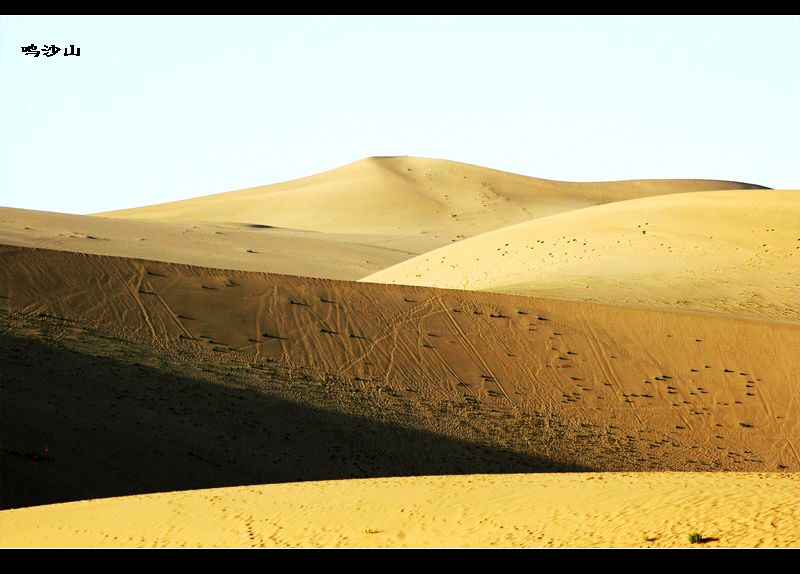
<point>513,510</point>
<point>556,382</point>
<point>724,251</point>
<point>249,247</point>
<point>409,196</point>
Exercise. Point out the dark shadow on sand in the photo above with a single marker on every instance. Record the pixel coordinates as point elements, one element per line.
<point>113,426</point>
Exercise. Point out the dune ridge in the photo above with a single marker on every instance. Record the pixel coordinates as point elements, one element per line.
<point>405,352</point>
<point>731,252</point>
<point>599,386</point>
<point>245,246</point>
<point>409,196</point>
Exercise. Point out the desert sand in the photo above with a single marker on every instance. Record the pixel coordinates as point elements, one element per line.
<point>520,510</point>
<point>557,384</point>
<point>249,247</point>
<point>609,335</point>
<point>409,196</point>
<point>732,252</point>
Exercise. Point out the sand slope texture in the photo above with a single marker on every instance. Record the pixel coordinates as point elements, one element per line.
<point>249,247</point>
<point>541,510</point>
<point>732,252</point>
<point>409,196</point>
<point>541,384</point>
<point>523,362</point>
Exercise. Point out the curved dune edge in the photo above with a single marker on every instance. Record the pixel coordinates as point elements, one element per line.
<point>515,510</point>
<point>243,246</point>
<point>732,252</point>
<point>608,388</point>
<point>410,196</point>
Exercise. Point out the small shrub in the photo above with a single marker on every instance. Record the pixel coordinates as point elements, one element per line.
<point>695,537</point>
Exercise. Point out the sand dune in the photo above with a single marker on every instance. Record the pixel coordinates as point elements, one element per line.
<point>249,247</point>
<point>636,326</point>
<point>734,252</point>
<point>545,510</point>
<point>409,196</point>
<point>567,383</point>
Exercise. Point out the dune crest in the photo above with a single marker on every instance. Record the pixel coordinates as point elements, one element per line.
<point>732,252</point>
<point>244,246</point>
<point>546,383</point>
<point>521,363</point>
<point>409,196</point>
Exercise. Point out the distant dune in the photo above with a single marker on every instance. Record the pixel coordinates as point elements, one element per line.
<point>529,511</point>
<point>409,196</point>
<point>735,252</point>
<point>249,247</point>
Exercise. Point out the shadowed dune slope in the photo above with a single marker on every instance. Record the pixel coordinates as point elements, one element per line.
<point>409,196</point>
<point>118,418</point>
<point>249,247</point>
<point>735,252</point>
<point>527,511</point>
<point>596,386</point>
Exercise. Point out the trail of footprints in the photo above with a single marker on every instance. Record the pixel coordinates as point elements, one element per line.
<point>682,391</point>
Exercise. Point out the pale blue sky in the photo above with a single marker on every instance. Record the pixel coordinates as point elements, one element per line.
<point>163,108</point>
